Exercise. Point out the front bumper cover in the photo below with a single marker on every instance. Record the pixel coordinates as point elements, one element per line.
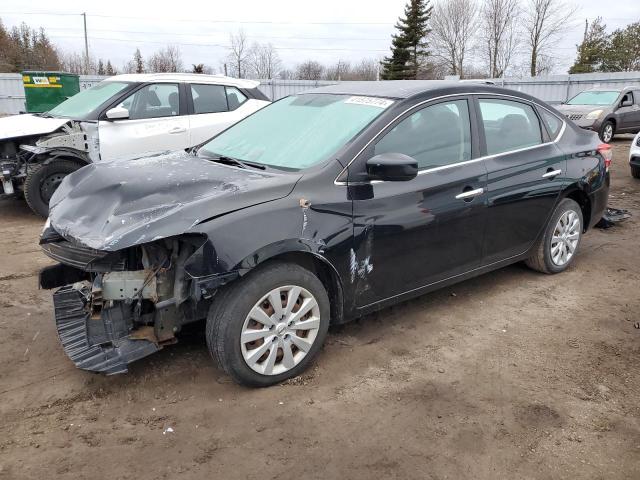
<point>98,345</point>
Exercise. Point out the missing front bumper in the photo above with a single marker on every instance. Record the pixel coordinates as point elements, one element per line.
<point>99,345</point>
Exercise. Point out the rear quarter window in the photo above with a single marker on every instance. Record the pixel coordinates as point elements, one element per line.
<point>553,123</point>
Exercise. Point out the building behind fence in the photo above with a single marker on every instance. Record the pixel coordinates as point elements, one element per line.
<point>552,89</point>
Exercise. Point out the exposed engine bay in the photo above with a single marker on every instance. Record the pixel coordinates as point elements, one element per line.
<point>117,307</point>
<point>24,149</point>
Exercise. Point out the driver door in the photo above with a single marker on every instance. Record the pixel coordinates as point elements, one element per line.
<point>155,123</point>
<point>416,233</point>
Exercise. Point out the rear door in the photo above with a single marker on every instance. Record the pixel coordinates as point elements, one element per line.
<point>412,234</point>
<point>156,122</point>
<point>526,173</point>
<point>215,107</point>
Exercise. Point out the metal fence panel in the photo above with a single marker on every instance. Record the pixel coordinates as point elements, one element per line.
<point>11,93</point>
<point>553,88</point>
<point>277,89</point>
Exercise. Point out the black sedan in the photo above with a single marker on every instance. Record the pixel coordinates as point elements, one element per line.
<point>315,210</point>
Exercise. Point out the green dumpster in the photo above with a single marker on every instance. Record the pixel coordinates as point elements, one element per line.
<point>45,90</point>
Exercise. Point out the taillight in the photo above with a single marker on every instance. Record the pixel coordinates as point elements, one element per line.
<point>606,151</point>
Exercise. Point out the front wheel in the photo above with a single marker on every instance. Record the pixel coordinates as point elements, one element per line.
<point>635,171</point>
<point>269,326</point>
<point>559,244</point>
<point>607,131</point>
<point>42,180</point>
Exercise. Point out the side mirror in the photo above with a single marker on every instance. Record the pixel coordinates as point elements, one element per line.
<point>392,167</point>
<point>117,113</point>
<point>626,103</point>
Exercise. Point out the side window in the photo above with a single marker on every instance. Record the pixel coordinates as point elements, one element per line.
<point>628,97</point>
<point>509,125</point>
<point>435,136</point>
<point>553,123</point>
<point>153,101</point>
<point>235,98</point>
<point>209,98</point>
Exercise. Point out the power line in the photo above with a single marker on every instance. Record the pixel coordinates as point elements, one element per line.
<point>107,30</point>
<point>276,22</point>
<point>220,45</point>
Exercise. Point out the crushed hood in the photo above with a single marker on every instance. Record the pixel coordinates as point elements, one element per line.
<point>27,124</point>
<point>116,204</point>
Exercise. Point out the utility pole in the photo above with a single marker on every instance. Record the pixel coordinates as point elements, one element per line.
<point>86,42</point>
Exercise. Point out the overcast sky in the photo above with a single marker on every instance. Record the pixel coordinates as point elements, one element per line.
<point>324,30</point>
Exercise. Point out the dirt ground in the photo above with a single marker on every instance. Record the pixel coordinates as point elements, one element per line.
<point>513,375</point>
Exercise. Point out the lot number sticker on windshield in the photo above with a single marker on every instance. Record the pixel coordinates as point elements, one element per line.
<point>371,101</point>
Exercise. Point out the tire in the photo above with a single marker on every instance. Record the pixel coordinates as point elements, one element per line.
<point>42,180</point>
<point>607,131</point>
<point>232,314</point>
<point>635,171</point>
<point>543,260</point>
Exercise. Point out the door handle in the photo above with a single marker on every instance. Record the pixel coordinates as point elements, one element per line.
<point>469,194</point>
<point>552,174</point>
<point>177,130</point>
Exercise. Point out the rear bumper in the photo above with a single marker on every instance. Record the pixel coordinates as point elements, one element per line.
<point>599,200</point>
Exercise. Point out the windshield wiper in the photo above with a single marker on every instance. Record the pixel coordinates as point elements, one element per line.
<point>234,161</point>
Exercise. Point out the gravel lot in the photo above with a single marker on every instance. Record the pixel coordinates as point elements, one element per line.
<point>512,375</point>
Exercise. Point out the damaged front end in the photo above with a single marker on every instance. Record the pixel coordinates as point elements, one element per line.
<point>112,308</point>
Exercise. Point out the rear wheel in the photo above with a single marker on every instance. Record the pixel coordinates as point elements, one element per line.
<point>42,180</point>
<point>559,244</point>
<point>607,131</point>
<point>635,171</point>
<point>269,326</point>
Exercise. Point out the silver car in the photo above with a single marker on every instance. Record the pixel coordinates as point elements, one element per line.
<point>606,111</point>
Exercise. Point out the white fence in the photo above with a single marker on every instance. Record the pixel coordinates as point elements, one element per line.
<point>553,89</point>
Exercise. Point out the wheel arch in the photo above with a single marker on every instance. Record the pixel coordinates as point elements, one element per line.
<point>77,157</point>
<point>301,254</point>
<point>582,199</point>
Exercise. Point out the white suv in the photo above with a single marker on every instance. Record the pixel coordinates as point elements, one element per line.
<point>634,156</point>
<point>122,116</point>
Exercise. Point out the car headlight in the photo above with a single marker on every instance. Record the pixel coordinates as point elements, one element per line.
<point>593,115</point>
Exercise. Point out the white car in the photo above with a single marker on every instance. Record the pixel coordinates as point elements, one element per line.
<point>122,116</point>
<point>634,156</point>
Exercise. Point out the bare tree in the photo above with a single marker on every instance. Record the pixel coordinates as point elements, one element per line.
<point>341,70</point>
<point>367,69</point>
<point>286,74</point>
<point>75,62</point>
<point>263,61</point>
<point>544,23</point>
<point>309,70</point>
<point>167,59</point>
<point>239,54</point>
<point>453,25</point>
<point>498,34</point>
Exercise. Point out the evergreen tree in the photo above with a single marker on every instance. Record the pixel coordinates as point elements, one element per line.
<point>110,71</point>
<point>100,67</point>
<point>592,50</point>
<point>409,49</point>
<point>138,62</point>
<point>623,50</point>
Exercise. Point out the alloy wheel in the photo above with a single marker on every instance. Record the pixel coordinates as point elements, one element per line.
<point>565,238</point>
<point>280,330</point>
<point>607,133</point>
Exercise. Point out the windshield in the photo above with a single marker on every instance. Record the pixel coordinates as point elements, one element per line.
<point>298,131</point>
<point>86,101</point>
<point>594,97</point>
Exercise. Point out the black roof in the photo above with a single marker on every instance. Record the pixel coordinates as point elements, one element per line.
<point>391,88</point>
